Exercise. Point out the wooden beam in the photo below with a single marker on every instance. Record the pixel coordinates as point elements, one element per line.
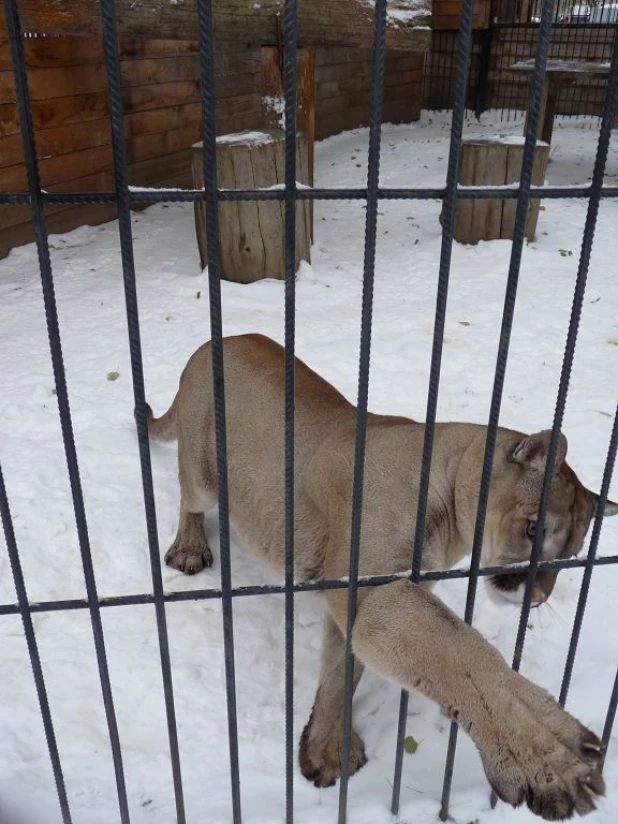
<point>320,22</point>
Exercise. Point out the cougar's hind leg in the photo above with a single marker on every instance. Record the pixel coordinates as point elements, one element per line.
<point>321,741</point>
<point>190,552</point>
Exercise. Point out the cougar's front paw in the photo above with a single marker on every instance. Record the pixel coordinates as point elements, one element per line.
<point>545,757</point>
<point>188,558</point>
<point>320,760</point>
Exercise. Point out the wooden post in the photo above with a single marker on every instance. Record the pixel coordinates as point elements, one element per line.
<point>495,162</point>
<point>513,172</point>
<point>273,98</point>
<point>251,233</point>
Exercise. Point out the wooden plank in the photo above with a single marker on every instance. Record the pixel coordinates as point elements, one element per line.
<point>60,168</point>
<point>51,52</point>
<point>154,71</point>
<point>75,137</point>
<point>60,143</point>
<point>402,111</point>
<point>243,104</point>
<point>319,21</point>
<point>45,84</point>
<point>9,119</point>
<point>159,120</point>
<point>13,216</point>
<point>233,114</point>
<point>11,152</point>
<point>341,119</point>
<point>406,91</point>
<point>65,110</point>
<point>138,49</point>
<point>402,78</point>
<point>61,111</point>
<point>148,172</point>
<point>7,88</point>
<point>144,147</point>
<point>165,94</point>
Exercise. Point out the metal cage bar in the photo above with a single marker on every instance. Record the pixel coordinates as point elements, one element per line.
<point>108,15</point>
<point>33,651</point>
<point>289,71</point>
<point>510,192</point>
<point>371,224</point>
<point>66,424</point>
<point>209,147</point>
<point>503,350</point>
<point>464,47</point>
<point>590,559</point>
<point>307,586</point>
<point>609,721</point>
<point>611,103</point>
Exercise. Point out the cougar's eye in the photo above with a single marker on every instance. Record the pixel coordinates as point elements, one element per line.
<point>531,530</point>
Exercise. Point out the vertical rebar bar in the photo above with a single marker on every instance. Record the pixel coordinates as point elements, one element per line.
<point>521,216</point>
<point>62,394</point>
<point>289,71</point>
<point>448,227</point>
<point>611,103</point>
<point>108,16</point>
<point>371,222</point>
<point>209,146</point>
<point>33,651</point>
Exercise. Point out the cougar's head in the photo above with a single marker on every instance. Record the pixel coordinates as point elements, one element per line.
<point>512,512</point>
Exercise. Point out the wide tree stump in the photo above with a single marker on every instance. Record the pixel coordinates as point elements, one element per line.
<point>251,233</point>
<point>495,162</point>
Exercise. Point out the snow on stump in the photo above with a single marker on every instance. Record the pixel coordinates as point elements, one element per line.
<point>251,233</point>
<point>495,162</point>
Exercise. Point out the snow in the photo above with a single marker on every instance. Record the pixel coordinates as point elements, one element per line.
<point>173,297</point>
<point>567,66</point>
<point>508,139</point>
<point>275,103</point>
<point>404,11</point>
<point>242,137</point>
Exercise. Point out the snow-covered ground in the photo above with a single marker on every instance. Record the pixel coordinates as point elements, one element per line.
<point>174,321</point>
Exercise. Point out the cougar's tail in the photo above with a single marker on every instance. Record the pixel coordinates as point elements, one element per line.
<point>163,428</point>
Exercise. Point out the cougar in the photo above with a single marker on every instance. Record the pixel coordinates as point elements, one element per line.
<point>531,749</point>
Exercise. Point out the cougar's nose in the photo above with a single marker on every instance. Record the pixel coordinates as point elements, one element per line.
<point>538,596</point>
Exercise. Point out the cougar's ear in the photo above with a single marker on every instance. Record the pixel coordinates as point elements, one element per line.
<point>610,507</point>
<point>532,451</point>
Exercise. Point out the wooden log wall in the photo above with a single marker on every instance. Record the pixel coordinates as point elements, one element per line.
<point>162,113</point>
<point>160,91</point>
<point>343,88</point>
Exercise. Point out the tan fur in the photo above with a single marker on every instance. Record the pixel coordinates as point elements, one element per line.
<point>531,749</point>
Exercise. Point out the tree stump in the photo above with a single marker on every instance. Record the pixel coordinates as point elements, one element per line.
<point>495,162</point>
<point>252,233</point>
